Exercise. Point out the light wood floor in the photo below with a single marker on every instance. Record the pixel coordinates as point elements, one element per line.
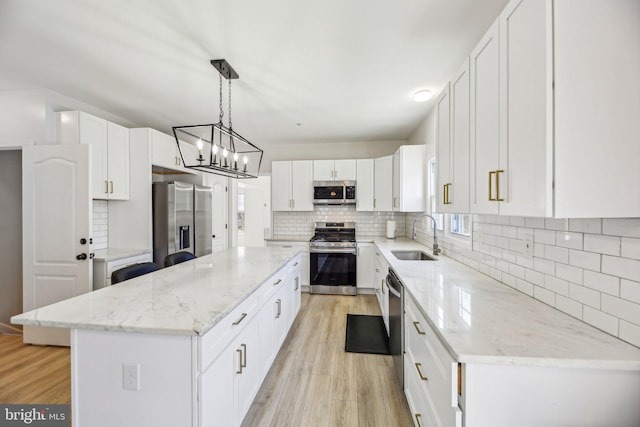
<point>31,374</point>
<point>313,381</point>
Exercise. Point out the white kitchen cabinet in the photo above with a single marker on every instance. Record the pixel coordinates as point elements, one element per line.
<point>364,267</point>
<point>547,139</point>
<point>109,152</point>
<point>409,179</point>
<point>292,185</point>
<point>382,292</point>
<point>103,266</point>
<point>484,124</point>
<point>165,152</point>
<point>383,184</point>
<point>304,256</point>
<point>452,144</point>
<point>365,176</point>
<point>431,373</point>
<point>334,170</point>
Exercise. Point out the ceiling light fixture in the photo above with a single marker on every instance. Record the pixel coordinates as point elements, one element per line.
<point>216,144</point>
<point>422,95</point>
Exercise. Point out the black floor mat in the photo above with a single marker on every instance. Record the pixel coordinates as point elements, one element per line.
<point>366,334</point>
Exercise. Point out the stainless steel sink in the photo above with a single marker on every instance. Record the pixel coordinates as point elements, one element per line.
<point>413,256</point>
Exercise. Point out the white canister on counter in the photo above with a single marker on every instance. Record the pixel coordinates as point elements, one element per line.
<point>391,229</point>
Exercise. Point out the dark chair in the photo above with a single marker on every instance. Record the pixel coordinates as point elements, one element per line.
<point>177,258</point>
<point>132,271</point>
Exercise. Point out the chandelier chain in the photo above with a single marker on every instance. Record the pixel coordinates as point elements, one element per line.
<point>230,125</point>
<point>220,106</point>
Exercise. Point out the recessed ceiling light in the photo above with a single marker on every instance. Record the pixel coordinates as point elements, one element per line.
<point>422,95</point>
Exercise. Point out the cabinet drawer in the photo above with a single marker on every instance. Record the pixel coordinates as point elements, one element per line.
<point>422,412</point>
<point>216,340</point>
<point>430,364</point>
<point>277,281</point>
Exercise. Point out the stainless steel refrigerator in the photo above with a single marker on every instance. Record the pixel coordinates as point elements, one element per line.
<point>181,219</point>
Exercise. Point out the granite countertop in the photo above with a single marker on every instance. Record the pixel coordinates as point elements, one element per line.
<point>185,299</point>
<point>481,320</point>
<point>114,254</point>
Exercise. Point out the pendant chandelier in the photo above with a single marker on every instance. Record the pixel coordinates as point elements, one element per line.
<point>216,148</point>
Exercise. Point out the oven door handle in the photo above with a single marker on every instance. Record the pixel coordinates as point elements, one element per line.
<point>332,250</point>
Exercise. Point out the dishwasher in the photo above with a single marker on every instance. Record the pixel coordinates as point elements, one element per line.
<point>396,323</point>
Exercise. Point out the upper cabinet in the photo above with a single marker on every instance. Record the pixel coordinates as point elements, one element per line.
<point>549,136</point>
<point>165,152</point>
<point>334,170</point>
<point>292,185</point>
<point>452,144</point>
<point>109,152</point>
<point>364,184</point>
<point>383,184</point>
<point>409,179</point>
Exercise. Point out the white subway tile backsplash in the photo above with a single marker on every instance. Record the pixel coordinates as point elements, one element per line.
<point>625,227</point>
<point>566,239</point>
<point>569,306</point>
<point>600,320</point>
<point>559,286</point>
<point>569,273</point>
<point>602,244</point>
<point>544,266</point>
<point>630,248</point>
<point>630,333</point>
<point>626,310</point>
<point>544,295</point>
<point>630,290</point>
<point>586,225</point>
<point>556,224</point>
<point>525,287</point>
<point>100,224</point>
<point>554,253</point>
<point>584,295</point>
<point>586,260</point>
<point>534,222</point>
<point>622,267</point>
<point>602,282</point>
<point>547,237</point>
<point>534,277</point>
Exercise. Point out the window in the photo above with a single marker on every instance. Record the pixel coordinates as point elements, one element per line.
<point>433,194</point>
<point>460,224</point>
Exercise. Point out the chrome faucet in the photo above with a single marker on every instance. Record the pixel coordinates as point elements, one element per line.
<point>436,249</point>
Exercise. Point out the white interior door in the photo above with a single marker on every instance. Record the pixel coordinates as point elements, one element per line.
<point>56,206</point>
<point>219,211</point>
<point>257,210</point>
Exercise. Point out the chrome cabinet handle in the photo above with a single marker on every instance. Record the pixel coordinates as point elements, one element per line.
<point>239,351</point>
<point>279,304</point>
<point>243,362</point>
<point>277,282</point>
<point>237,322</point>
<point>422,377</point>
<point>296,262</point>
<point>420,332</point>
<point>297,284</point>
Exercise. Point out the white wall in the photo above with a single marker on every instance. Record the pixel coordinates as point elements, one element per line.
<point>11,234</point>
<point>586,268</point>
<point>325,151</point>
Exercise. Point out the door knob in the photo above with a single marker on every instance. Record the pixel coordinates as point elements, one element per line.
<point>83,241</point>
<point>81,257</point>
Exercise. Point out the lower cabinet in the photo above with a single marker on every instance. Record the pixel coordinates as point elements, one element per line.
<point>431,373</point>
<point>304,260</point>
<point>364,268</point>
<point>250,338</point>
<point>380,283</point>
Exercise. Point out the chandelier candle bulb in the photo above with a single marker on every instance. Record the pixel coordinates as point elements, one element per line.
<point>200,158</point>
<point>245,160</point>
<point>225,154</point>
<point>215,152</point>
<point>235,161</point>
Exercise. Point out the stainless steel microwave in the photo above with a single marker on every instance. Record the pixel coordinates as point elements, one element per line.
<point>334,192</point>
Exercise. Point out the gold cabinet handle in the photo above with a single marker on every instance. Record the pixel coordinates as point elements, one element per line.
<point>498,172</point>
<point>382,286</point>
<point>418,416</point>
<point>420,332</point>
<point>422,377</point>
<point>111,182</point>
<point>492,199</point>
<point>446,194</point>
<point>106,187</point>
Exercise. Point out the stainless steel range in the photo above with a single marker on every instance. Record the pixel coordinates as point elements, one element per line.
<point>333,258</point>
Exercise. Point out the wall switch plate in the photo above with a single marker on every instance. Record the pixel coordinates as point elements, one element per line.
<point>131,376</point>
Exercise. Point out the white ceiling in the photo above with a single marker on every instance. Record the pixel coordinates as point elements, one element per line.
<point>310,71</point>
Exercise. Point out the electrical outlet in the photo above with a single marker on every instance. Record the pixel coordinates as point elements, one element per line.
<point>131,376</point>
<point>528,246</point>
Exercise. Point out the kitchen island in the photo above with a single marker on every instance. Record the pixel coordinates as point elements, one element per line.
<point>479,351</point>
<point>188,345</point>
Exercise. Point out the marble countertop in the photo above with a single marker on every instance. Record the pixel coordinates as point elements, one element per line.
<point>114,254</point>
<point>304,239</point>
<point>185,299</point>
<point>481,320</point>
